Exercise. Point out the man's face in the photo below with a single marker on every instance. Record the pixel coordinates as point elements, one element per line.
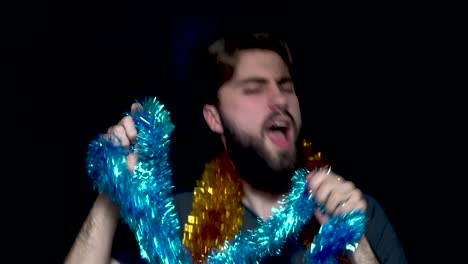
<point>260,114</point>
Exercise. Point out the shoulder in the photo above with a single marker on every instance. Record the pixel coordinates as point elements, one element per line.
<point>372,203</point>
<point>381,234</point>
<point>375,212</point>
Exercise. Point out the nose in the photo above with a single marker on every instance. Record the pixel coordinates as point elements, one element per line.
<point>278,100</point>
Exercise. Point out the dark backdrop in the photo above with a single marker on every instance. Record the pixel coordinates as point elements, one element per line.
<point>79,66</point>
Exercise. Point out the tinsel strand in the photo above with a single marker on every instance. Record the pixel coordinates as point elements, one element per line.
<point>144,197</point>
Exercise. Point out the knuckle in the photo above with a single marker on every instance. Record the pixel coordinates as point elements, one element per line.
<point>127,120</point>
<point>118,129</point>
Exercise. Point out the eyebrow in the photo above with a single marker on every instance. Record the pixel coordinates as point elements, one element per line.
<point>285,80</point>
<point>263,80</point>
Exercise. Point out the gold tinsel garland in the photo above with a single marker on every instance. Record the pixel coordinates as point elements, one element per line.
<point>216,212</point>
<point>217,209</point>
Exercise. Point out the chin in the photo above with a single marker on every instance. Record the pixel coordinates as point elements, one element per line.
<point>283,160</point>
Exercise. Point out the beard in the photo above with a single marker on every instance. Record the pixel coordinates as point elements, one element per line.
<point>255,164</point>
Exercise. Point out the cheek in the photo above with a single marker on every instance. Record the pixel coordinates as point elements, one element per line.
<point>249,120</point>
<point>246,118</point>
<point>234,111</point>
<point>298,123</point>
<point>295,110</point>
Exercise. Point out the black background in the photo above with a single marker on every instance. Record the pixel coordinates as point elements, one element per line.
<point>77,67</point>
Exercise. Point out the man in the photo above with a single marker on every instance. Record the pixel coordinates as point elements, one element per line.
<point>252,105</point>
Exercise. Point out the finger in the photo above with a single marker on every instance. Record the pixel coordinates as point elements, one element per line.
<point>115,134</point>
<point>111,138</point>
<point>354,202</point>
<point>119,132</point>
<point>322,183</point>
<point>341,207</point>
<point>339,193</point>
<point>315,178</point>
<point>130,132</point>
<point>136,107</point>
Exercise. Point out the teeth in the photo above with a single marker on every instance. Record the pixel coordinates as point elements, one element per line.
<point>280,124</point>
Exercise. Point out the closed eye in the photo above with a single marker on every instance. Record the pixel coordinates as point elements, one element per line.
<point>286,85</point>
<point>253,85</point>
<point>253,89</point>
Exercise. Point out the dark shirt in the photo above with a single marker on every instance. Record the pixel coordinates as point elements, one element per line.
<point>379,233</point>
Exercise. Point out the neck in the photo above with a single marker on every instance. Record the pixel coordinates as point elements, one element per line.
<point>260,202</point>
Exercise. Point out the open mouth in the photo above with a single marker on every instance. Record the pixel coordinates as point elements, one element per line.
<point>278,132</point>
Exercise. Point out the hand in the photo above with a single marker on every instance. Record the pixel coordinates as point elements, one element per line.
<point>124,134</point>
<point>334,193</point>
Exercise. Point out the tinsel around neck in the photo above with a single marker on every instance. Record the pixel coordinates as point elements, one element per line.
<point>217,211</point>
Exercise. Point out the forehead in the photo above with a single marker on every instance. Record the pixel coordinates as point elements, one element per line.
<point>260,63</point>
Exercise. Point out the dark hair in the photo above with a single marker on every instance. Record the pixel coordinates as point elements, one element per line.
<point>217,63</point>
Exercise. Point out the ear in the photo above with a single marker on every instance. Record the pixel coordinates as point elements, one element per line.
<point>212,118</point>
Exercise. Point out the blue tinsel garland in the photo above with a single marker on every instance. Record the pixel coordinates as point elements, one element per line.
<point>147,205</point>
